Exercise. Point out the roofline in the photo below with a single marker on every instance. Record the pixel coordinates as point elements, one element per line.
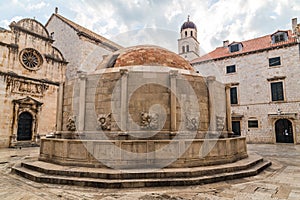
<point>246,53</point>
<point>112,46</point>
<point>286,31</point>
<point>14,25</point>
<point>80,33</point>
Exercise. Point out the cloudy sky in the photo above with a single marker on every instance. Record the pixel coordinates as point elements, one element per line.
<point>132,22</point>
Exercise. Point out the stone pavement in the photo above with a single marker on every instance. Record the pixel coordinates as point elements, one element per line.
<point>280,181</point>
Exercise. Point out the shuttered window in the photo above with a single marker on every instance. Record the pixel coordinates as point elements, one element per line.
<point>277,91</point>
<point>233,95</point>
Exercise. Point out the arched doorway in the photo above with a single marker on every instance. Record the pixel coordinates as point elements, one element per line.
<point>284,131</point>
<point>24,126</point>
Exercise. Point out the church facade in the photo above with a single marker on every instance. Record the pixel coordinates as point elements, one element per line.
<point>31,71</point>
<point>35,65</point>
<point>263,76</point>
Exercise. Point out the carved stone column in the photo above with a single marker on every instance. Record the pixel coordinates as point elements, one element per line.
<point>228,108</point>
<point>36,136</point>
<point>13,137</point>
<point>124,103</point>
<point>82,94</point>
<point>212,113</point>
<point>59,111</point>
<point>173,76</point>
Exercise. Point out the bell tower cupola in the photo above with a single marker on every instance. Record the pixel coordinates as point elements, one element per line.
<point>188,45</point>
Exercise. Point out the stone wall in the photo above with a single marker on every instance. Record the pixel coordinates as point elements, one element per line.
<point>147,97</point>
<point>128,154</point>
<point>81,53</point>
<point>252,78</point>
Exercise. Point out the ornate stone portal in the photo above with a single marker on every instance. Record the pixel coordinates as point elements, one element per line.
<point>25,128</point>
<point>144,108</point>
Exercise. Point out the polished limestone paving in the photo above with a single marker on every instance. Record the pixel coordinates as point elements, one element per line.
<point>280,181</point>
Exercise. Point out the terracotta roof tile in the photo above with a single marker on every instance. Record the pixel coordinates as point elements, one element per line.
<point>150,55</point>
<point>249,46</point>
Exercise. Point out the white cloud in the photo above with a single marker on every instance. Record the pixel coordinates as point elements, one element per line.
<point>36,6</point>
<point>6,22</point>
<point>216,20</point>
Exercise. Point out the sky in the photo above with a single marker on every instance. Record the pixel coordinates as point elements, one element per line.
<point>158,22</point>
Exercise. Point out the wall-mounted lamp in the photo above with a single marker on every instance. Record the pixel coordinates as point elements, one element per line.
<point>279,111</point>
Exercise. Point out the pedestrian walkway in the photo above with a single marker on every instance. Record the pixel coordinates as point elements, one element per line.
<point>279,181</point>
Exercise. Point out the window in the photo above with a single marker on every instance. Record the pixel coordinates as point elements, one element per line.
<point>183,49</point>
<point>234,48</point>
<point>187,48</point>
<point>274,61</point>
<point>277,91</point>
<point>191,33</point>
<point>230,69</point>
<point>185,33</point>
<point>279,37</point>
<point>236,127</point>
<point>252,123</point>
<point>233,95</point>
<point>31,59</point>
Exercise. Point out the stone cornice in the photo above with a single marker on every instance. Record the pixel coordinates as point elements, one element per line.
<point>14,26</point>
<point>14,46</point>
<point>12,74</point>
<point>50,57</point>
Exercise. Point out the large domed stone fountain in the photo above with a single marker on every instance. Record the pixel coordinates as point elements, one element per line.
<point>144,117</point>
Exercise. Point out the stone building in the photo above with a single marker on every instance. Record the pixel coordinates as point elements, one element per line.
<point>263,76</point>
<point>82,48</point>
<point>31,71</point>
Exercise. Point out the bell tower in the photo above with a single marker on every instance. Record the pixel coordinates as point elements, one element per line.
<point>188,45</point>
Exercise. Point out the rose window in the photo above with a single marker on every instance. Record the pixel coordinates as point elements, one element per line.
<point>31,59</point>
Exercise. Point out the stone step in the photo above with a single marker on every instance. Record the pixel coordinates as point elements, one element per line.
<point>26,144</point>
<point>54,169</point>
<point>138,182</point>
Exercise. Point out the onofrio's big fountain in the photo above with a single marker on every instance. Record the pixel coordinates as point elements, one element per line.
<point>144,117</point>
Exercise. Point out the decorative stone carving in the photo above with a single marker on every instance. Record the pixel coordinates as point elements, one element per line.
<point>124,72</point>
<point>28,87</point>
<point>71,126</point>
<point>104,122</point>
<point>220,122</point>
<point>191,123</point>
<point>149,121</point>
<point>173,73</point>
